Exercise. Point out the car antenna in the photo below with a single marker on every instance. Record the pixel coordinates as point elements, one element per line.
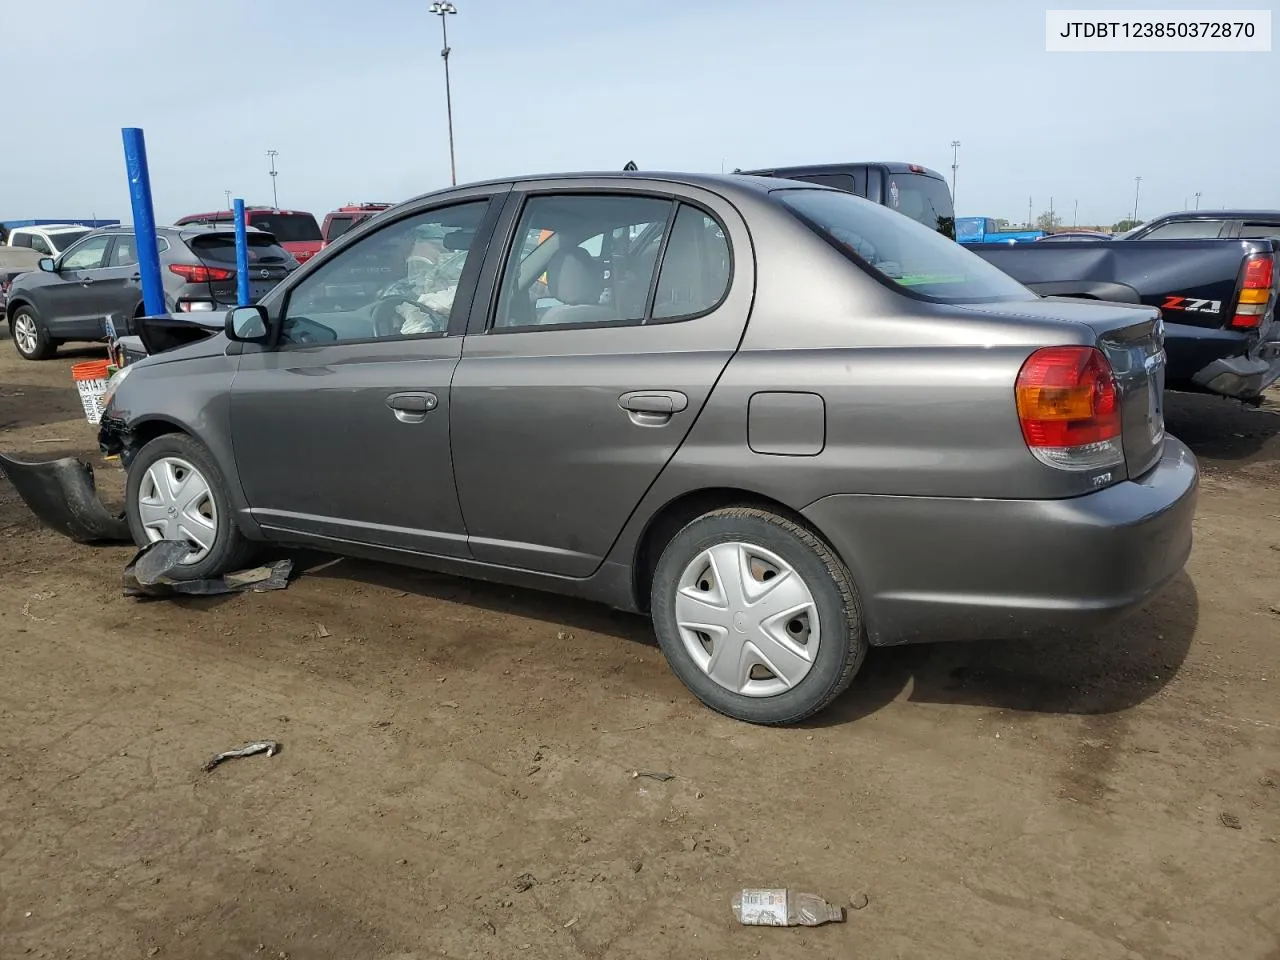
<point>631,166</point>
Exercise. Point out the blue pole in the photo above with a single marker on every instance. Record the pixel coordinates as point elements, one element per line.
<point>144,220</point>
<point>242,256</point>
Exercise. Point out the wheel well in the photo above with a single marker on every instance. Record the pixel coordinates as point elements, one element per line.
<point>13,305</point>
<point>143,433</point>
<point>674,516</point>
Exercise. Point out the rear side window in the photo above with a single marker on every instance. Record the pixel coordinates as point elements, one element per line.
<point>924,199</point>
<point>1186,230</point>
<point>841,181</point>
<point>222,248</point>
<point>608,259</point>
<point>288,227</point>
<point>916,260</point>
<point>20,240</point>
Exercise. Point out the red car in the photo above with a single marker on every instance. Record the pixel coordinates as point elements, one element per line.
<point>295,230</point>
<point>339,221</point>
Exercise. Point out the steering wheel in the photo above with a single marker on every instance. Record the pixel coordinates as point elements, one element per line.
<point>387,321</point>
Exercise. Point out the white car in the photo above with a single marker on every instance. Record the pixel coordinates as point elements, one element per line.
<point>49,240</point>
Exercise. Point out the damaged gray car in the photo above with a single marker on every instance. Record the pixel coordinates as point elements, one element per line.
<point>784,422</point>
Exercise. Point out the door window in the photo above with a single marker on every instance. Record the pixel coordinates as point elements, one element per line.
<point>1260,231</point>
<point>40,245</point>
<point>123,254</point>
<point>86,255</point>
<point>1186,230</point>
<point>397,282</point>
<point>21,240</point>
<point>593,259</point>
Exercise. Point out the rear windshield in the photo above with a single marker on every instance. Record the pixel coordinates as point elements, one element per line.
<point>221,247</point>
<point>338,226</point>
<point>287,227</point>
<point>65,238</point>
<point>924,199</point>
<point>919,261</point>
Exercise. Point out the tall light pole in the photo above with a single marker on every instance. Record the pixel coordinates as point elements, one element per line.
<point>955,163</point>
<point>1137,185</point>
<point>1197,199</point>
<point>1075,215</point>
<point>275,199</point>
<point>228,195</point>
<point>443,10</point>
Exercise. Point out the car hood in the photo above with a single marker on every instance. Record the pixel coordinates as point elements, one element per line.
<point>182,336</point>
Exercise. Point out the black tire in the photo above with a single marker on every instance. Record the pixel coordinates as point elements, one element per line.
<point>44,347</point>
<point>842,642</point>
<point>230,550</point>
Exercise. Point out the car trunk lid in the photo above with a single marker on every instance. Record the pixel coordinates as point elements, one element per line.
<point>268,264</point>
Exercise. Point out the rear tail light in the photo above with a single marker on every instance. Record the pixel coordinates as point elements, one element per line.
<point>1069,408</point>
<point>199,273</point>
<point>1255,291</point>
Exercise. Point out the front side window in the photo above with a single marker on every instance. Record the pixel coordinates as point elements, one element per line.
<point>397,282</point>
<point>915,259</point>
<point>1260,231</point>
<point>40,245</point>
<point>87,255</point>
<point>584,259</point>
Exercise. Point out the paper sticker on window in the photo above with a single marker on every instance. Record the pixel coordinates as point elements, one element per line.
<point>893,193</point>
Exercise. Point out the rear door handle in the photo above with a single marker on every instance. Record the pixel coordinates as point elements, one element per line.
<point>652,408</point>
<point>412,407</point>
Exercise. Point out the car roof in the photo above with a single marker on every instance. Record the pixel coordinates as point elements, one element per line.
<point>53,227</point>
<point>1218,215</point>
<point>723,183</point>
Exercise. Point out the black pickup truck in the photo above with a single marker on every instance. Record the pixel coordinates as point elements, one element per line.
<point>1217,298</point>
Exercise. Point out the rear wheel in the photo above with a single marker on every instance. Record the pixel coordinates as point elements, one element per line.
<point>757,616</point>
<point>176,492</point>
<point>30,337</point>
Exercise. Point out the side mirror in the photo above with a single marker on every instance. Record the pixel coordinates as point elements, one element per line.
<point>46,264</point>
<point>248,324</point>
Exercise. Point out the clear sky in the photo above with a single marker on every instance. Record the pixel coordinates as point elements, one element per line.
<point>351,94</point>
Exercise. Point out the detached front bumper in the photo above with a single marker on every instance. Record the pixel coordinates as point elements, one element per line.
<point>933,568</point>
<point>63,496</point>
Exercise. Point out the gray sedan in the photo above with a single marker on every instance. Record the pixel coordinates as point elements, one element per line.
<point>783,421</point>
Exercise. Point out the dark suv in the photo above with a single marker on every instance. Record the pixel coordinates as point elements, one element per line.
<point>68,298</point>
<point>908,188</point>
<point>296,230</point>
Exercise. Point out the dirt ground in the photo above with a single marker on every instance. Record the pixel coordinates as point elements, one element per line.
<point>457,778</point>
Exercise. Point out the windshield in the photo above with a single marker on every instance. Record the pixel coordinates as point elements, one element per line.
<point>287,227</point>
<point>918,260</point>
<point>65,238</point>
<point>338,226</point>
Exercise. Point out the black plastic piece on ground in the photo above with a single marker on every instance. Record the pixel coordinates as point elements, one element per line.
<point>147,575</point>
<point>63,496</point>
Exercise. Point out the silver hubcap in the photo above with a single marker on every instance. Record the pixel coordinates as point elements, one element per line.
<point>24,332</point>
<point>748,619</point>
<point>175,503</point>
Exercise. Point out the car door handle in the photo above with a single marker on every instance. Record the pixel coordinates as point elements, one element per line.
<point>85,281</point>
<point>652,408</point>
<point>412,407</point>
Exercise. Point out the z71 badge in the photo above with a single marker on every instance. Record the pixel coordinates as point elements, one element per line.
<point>1191,305</point>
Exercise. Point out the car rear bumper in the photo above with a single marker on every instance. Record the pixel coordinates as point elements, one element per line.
<point>932,568</point>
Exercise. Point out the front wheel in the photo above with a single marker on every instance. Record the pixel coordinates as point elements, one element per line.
<point>757,616</point>
<point>30,337</point>
<point>176,492</point>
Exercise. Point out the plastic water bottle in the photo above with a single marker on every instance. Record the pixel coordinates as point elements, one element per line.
<point>784,908</point>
